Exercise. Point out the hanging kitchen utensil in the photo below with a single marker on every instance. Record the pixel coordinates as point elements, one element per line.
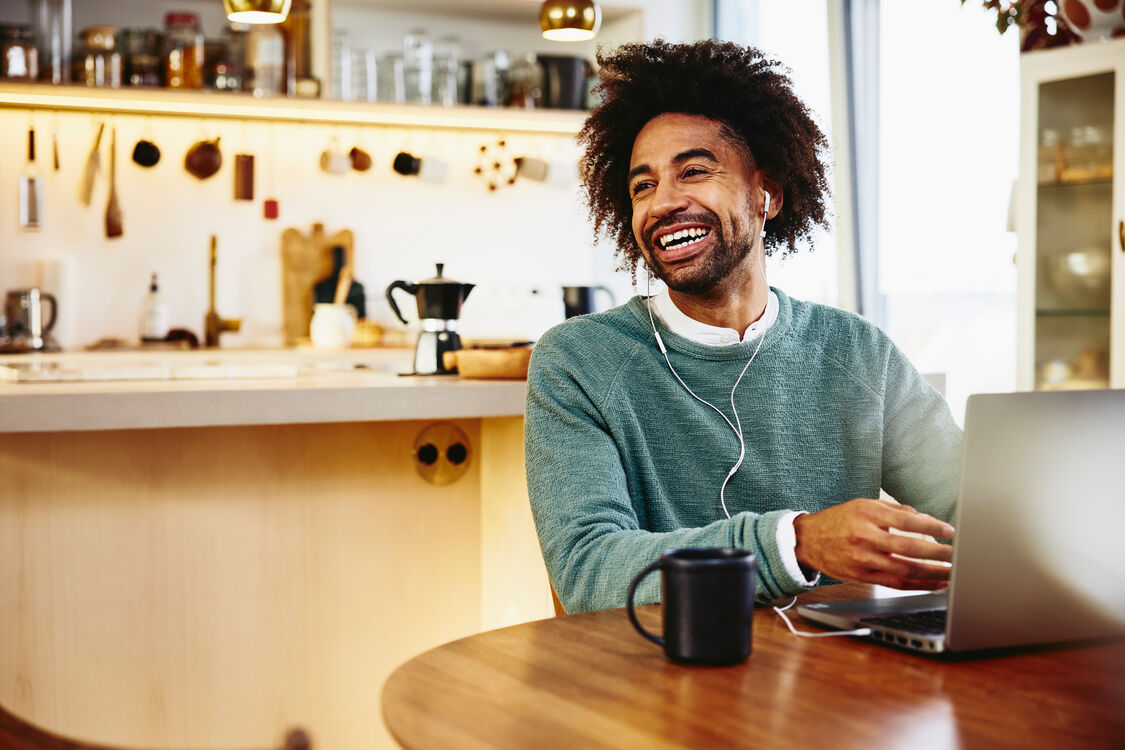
<point>55,142</point>
<point>270,208</point>
<point>204,159</point>
<point>113,227</point>
<point>93,164</point>
<point>31,189</point>
<point>495,165</point>
<point>361,160</point>
<point>427,170</point>
<point>244,177</point>
<point>145,152</point>
<point>333,159</point>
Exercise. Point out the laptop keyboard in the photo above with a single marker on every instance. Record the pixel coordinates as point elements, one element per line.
<point>928,622</point>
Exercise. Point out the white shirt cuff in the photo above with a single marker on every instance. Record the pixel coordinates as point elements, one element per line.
<point>787,549</point>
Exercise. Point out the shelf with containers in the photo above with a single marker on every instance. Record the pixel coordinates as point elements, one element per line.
<point>374,24</point>
<point>1071,218</point>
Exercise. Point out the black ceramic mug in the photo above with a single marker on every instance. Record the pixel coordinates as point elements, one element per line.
<point>708,600</point>
<point>579,300</point>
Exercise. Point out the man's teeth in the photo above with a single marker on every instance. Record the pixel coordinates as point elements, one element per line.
<point>683,237</point>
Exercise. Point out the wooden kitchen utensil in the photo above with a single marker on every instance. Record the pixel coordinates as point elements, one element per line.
<point>93,163</point>
<point>113,226</point>
<point>305,259</point>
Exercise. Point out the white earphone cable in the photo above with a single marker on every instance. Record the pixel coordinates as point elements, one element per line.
<point>660,342</point>
<point>805,634</point>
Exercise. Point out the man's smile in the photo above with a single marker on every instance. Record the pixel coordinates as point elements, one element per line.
<point>680,237</point>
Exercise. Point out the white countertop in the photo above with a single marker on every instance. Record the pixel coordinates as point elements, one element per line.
<point>221,388</point>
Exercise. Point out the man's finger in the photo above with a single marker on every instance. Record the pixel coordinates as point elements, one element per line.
<point>918,523</point>
<point>920,549</point>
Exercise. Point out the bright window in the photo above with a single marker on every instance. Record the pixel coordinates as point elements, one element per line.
<point>948,155</point>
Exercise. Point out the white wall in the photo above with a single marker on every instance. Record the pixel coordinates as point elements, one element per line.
<point>527,235</point>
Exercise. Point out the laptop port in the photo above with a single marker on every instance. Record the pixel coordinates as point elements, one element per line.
<point>901,640</point>
<point>916,643</point>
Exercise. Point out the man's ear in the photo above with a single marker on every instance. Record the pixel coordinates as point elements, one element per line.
<point>777,197</point>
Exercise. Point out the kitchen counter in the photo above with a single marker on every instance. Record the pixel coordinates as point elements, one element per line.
<point>252,542</point>
<point>217,388</point>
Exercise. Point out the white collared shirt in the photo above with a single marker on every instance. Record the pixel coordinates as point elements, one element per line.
<point>679,323</point>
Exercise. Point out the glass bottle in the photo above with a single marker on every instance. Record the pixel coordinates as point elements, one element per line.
<point>447,65</point>
<point>183,51</point>
<point>265,60</point>
<point>418,66</point>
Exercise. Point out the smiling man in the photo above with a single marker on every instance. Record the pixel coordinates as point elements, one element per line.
<point>721,412</point>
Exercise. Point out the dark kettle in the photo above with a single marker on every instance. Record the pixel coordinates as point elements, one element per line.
<point>438,298</point>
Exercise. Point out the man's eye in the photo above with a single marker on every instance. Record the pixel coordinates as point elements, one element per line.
<point>694,171</point>
<point>640,187</point>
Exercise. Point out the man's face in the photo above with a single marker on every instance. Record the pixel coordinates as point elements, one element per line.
<point>694,198</point>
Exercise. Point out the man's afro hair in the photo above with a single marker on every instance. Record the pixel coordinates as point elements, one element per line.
<point>748,93</point>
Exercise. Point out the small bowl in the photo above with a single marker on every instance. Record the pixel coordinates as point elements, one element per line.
<point>507,363</point>
<point>1082,277</point>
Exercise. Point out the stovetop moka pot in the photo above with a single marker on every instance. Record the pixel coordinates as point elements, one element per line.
<point>439,306</point>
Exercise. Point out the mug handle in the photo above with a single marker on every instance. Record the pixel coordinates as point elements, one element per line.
<point>609,293</point>
<point>629,603</point>
<point>54,310</point>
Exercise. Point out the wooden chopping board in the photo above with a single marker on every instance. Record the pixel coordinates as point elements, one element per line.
<point>305,260</point>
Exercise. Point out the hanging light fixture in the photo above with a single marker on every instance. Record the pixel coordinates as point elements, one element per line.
<point>257,11</point>
<point>569,20</point>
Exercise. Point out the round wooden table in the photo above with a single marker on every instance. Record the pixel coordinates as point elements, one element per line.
<point>590,680</point>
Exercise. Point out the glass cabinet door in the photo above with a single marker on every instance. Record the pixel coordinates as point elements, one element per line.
<point>1074,232</point>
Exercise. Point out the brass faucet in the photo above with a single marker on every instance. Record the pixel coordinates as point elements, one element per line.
<point>214,325</point>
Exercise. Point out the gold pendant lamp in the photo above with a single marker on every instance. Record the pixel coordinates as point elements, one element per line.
<point>257,11</point>
<point>569,20</point>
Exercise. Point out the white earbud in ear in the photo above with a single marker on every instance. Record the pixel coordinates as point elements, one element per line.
<point>765,212</point>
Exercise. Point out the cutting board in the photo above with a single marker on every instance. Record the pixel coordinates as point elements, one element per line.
<point>305,260</point>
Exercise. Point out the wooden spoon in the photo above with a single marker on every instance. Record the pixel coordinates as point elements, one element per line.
<point>113,226</point>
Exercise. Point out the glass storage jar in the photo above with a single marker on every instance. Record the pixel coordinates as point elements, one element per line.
<point>141,49</point>
<point>99,63</point>
<point>183,51</point>
<point>19,57</point>
<point>264,72</point>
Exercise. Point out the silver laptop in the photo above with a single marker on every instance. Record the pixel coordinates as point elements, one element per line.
<point>1038,556</point>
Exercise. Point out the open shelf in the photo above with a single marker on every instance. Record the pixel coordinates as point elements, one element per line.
<point>210,104</point>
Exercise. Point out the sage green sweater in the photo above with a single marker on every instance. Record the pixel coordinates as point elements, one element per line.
<point>623,464</point>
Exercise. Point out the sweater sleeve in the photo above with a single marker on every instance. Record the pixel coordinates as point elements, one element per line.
<point>587,524</point>
<point>921,441</point>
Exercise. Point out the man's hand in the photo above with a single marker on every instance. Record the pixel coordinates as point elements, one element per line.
<point>853,542</point>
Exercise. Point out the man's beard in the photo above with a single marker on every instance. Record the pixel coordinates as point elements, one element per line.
<point>707,271</point>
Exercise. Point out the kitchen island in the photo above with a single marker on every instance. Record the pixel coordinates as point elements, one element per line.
<point>248,542</point>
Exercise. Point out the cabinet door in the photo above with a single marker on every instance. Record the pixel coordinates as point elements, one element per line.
<point>1071,310</point>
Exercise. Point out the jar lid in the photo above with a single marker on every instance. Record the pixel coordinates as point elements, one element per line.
<point>17,32</point>
<point>178,16</point>
<point>99,37</point>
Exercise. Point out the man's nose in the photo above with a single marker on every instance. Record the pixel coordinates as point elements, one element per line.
<point>668,199</point>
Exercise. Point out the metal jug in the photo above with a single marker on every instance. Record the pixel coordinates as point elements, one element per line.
<point>23,318</point>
